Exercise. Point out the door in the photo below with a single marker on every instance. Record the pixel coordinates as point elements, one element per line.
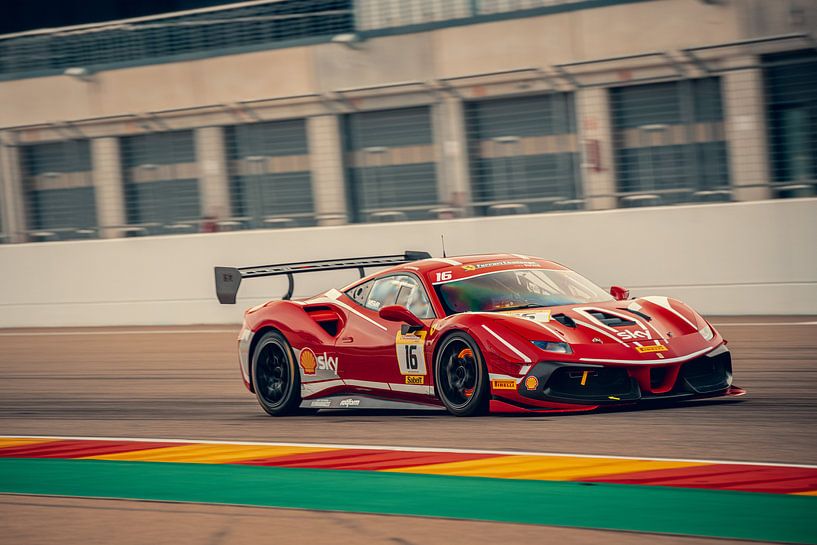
<point>376,358</point>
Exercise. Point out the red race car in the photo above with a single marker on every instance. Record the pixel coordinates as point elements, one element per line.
<point>498,333</point>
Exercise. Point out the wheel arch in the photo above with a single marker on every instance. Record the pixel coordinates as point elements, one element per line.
<point>451,330</point>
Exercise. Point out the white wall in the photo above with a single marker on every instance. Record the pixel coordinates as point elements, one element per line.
<point>746,258</point>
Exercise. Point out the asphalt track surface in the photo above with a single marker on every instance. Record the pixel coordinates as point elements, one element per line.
<point>184,383</point>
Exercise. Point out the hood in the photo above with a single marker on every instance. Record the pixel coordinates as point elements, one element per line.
<point>652,328</point>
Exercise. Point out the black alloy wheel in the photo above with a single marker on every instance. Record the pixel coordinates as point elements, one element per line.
<point>461,376</point>
<point>275,375</point>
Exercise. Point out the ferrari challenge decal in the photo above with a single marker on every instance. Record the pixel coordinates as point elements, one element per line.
<point>478,266</point>
<point>411,353</point>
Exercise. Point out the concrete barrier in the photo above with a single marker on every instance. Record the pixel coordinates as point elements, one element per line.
<point>727,259</point>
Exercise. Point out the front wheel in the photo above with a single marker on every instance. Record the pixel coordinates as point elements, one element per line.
<point>461,376</point>
<point>275,375</point>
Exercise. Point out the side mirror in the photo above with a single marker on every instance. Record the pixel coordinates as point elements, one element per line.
<point>396,313</point>
<point>619,293</point>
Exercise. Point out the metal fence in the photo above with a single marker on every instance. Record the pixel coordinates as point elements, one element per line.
<point>246,26</point>
<point>379,14</point>
<point>177,36</point>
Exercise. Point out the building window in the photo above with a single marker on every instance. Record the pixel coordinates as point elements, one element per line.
<point>391,161</point>
<point>270,179</point>
<point>161,182</point>
<point>669,142</point>
<point>791,95</point>
<point>524,154</point>
<point>59,190</point>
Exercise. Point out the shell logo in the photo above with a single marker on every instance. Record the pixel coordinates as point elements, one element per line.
<point>308,361</point>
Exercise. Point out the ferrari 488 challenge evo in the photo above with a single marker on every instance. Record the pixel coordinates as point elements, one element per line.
<point>472,334</point>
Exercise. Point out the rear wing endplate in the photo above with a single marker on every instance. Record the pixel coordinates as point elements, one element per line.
<point>228,279</point>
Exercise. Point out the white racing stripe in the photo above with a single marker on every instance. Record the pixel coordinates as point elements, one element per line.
<point>663,302</point>
<point>509,345</point>
<point>312,388</point>
<point>467,277</point>
<point>586,314</point>
<point>412,388</point>
<point>444,260</point>
<point>368,384</point>
<point>630,317</point>
<point>332,296</point>
<point>499,376</point>
<point>315,387</point>
<point>655,330</point>
<point>582,311</point>
<point>400,449</point>
<point>540,324</point>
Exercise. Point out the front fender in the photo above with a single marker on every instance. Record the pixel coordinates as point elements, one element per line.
<point>505,352</point>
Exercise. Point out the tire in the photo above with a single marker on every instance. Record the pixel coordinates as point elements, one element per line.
<point>461,377</point>
<point>275,375</point>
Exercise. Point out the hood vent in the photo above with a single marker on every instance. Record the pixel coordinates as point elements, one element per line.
<point>564,319</point>
<point>637,313</point>
<point>610,320</point>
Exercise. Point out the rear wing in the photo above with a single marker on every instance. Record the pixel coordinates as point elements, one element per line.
<point>228,279</point>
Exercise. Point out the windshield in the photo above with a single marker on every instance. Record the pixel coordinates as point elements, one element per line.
<point>515,289</point>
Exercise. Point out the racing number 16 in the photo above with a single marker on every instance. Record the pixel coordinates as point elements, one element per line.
<point>411,357</point>
<point>409,351</point>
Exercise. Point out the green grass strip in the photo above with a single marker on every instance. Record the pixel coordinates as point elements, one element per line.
<point>714,513</point>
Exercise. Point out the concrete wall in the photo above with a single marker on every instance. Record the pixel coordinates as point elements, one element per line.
<point>746,258</point>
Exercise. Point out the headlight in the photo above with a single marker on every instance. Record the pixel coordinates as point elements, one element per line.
<point>706,332</point>
<point>558,348</point>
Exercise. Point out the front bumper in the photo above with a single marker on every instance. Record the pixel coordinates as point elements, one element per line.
<point>598,385</point>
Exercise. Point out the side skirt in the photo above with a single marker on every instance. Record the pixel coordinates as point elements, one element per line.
<point>357,401</point>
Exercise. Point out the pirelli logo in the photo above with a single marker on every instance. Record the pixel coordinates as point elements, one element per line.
<point>503,384</point>
<point>651,348</point>
<point>416,379</point>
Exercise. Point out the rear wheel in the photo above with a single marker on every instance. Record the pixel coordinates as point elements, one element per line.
<point>275,375</point>
<point>461,376</point>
